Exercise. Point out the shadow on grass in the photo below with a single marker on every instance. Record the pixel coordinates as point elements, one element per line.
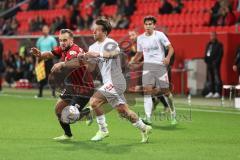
<point>168,127</point>
<point>101,146</point>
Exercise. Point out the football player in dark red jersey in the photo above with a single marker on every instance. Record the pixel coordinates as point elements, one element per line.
<point>79,78</point>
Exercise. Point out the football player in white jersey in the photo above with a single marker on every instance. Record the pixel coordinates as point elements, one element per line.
<point>155,81</point>
<point>105,53</point>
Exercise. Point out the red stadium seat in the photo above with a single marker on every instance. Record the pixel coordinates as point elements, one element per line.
<point>194,16</point>
<point>109,10</point>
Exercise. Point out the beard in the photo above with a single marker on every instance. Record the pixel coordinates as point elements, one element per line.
<point>65,48</point>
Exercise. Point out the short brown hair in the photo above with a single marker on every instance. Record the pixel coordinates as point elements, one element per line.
<point>150,18</point>
<point>62,31</point>
<point>106,25</point>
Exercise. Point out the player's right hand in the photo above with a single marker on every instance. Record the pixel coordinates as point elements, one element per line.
<point>36,52</point>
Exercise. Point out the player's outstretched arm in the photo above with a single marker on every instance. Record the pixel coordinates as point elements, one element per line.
<point>73,63</point>
<point>90,54</point>
<point>105,54</point>
<point>58,66</point>
<point>88,60</point>
<point>43,55</point>
<point>110,54</point>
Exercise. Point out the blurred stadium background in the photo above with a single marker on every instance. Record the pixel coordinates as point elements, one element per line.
<point>188,25</point>
<point>207,129</point>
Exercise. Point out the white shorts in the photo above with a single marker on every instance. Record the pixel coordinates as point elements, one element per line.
<point>114,93</point>
<point>155,75</point>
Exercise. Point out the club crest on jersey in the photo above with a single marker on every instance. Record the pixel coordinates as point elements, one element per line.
<point>72,53</point>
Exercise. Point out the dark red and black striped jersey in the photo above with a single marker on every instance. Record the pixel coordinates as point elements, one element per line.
<point>81,79</point>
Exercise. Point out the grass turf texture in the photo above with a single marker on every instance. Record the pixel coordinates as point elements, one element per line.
<point>27,126</point>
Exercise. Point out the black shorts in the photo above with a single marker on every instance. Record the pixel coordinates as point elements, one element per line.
<point>73,99</point>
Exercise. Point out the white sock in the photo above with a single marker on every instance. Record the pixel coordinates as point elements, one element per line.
<point>148,105</point>
<point>171,105</point>
<point>101,120</point>
<point>140,125</point>
<point>173,115</point>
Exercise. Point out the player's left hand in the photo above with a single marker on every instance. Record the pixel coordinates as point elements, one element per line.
<point>166,61</point>
<point>57,67</point>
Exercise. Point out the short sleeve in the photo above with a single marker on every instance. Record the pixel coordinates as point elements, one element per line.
<point>90,49</point>
<point>91,60</point>
<point>139,46</point>
<point>118,49</point>
<point>163,39</point>
<point>73,53</point>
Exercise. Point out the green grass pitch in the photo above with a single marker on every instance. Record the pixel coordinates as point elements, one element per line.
<point>27,126</point>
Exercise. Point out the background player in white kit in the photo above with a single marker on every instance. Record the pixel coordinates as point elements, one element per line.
<point>105,53</point>
<point>155,81</point>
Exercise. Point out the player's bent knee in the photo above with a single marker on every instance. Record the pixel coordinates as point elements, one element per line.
<point>58,110</point>
<point>120,110</point>
<point>59,107</point>
<point>123,113</point>
<point>94,102</point>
